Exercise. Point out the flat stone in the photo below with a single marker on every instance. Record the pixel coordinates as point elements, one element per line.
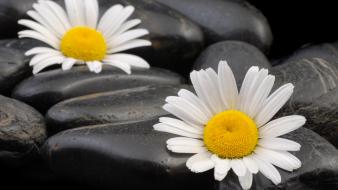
<point>48,88</point>
<point>13,63</point>
<point>107,155</point>
<point>226,20</point>
<point>22,131</point>
<point>314,72</point>
<point>110,107</point>
<point>176,40</point>
<point>239,55</point>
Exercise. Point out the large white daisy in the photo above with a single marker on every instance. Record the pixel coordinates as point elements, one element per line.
<point>227,129</point>
<point>77,37</point>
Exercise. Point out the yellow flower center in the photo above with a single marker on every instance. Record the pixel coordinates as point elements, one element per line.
<point>231,134</point>
<point>84,43</point>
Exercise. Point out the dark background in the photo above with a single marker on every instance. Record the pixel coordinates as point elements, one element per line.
<point>295,23</point>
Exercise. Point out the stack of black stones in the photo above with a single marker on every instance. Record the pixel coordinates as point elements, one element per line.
<point>77,129</point>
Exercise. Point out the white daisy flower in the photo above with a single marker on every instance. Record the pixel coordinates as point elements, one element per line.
<point>77,37</point>
<point>226,129</point>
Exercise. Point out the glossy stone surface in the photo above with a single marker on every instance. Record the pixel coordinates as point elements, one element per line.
<point>22,131</point>
<point>226,20</point>
<point>314,72</point>
<point>106,155</point>
<point>176,40</point>
<point>48,88</point>
<point>13,63</point>
<point>239,55</point>
<point>110,107</point>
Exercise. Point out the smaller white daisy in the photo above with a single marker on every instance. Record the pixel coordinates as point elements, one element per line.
<point>77,37</point>
<point>227,129</point>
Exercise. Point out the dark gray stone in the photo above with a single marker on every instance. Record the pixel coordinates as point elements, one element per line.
<point>107,155</point>
<point>176,40</point>
<point>48,88</point>
<point>13,63</point>
<point>22,131</point>
<point>314,72</point>
<point>226,20</point>
<point>110,107</point>
<point>319,166</point>
<point>239,55</point>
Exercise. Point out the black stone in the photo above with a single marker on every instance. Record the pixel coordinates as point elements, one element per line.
<point>176,40</point>
<point>111,155</point>
<point>13,63</point>
<point>22,131</point>
<point>314,72</point>
<point>108,155</point>
<point>239,55</point>
<point>110,107</point>
<point>226,20</point>
<point>48,88</point>
<point>319,166</point>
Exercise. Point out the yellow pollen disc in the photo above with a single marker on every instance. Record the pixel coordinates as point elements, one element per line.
<point>84,43</point>
<point>231,134</point>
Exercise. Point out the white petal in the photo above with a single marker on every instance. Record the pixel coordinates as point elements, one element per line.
<point>46,63</point>
<point>127,36</point>
<point>279,144</point>
<point>188,108</point>
<point>178,127</point>
<point>200,162</point>
<point>259,97</point>
<point>182,114</point>
<point>38,36</point>
<point>274,103</point>
<point>109,18</point>
<point>227,85</point>
<point>243,94</point>
<point>193,99</point>
<point>213,80</point>
<point>94,66</point>
<point>129,45</point>
<point>222,167</point>
<point>282,126</point>
<point>91,12</point>
<point>75,11</point>
<point>182,125</point>
<point>132,60</point>
<point>186,149</point>
<point>127,25</point>
<point>246,180</point>
<point>119,64</point>
<point>250,164</point>
<point>50,18</point>
<point>37,17</point>
<point>184,141</point>
<point>268,170</point>
<point>120,18</point>
<point>47,35</point>
<point>206,90</point>
<point>60,13</point>
<point>238,167</point>
<point>252,89</point>
<point>40,50</point>
<point>281,160</point>
<point>40,57</point>
<point>68,63</point>
<point>39,28</point>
